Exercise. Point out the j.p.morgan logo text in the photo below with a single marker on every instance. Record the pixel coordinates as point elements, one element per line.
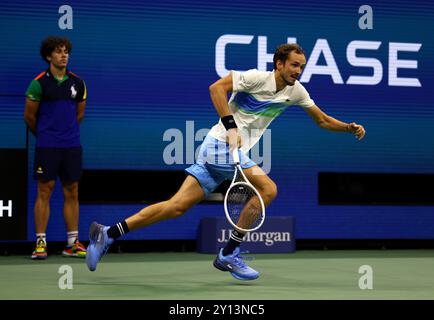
<point>269,238</point>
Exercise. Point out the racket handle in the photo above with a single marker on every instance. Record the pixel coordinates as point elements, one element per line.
<point>236,156</point>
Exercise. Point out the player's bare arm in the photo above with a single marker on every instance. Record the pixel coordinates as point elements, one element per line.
<point>30,112</point>
<point>329,123</point>
<point>219,91</point>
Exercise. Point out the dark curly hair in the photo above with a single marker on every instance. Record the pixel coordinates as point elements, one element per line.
<point>51,43</point>
<point>283,51</point>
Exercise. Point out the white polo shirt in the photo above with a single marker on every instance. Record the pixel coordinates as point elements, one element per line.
<point>254,104</point>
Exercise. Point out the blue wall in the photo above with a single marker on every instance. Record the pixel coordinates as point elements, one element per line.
<point>148,65</point>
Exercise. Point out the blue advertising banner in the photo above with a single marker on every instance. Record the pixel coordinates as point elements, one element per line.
<point>275,236</point>
<point>148,66</point>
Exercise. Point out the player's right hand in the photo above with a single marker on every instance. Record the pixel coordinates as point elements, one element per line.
<point>233,139</point>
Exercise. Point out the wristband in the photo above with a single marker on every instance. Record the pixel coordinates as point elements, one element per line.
<point>229,122</point>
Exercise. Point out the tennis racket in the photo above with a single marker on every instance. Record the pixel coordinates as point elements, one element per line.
<point>244,207</point>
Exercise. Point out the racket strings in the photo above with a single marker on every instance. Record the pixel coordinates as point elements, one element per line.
<point>244,207</point>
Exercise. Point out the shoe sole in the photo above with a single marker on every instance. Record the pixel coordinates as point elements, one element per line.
<point>74,255</point>
<point>221,268</point>
<point>90,266</point>
<point>244,279</point>
<point>38,258</point>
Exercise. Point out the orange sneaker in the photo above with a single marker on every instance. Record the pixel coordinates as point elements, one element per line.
<point>40,252</point>
<point>77,250</point>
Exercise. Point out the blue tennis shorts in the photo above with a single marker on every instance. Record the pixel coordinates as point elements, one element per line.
<point>214,165</point>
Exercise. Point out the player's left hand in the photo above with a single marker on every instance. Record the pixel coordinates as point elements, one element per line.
<point>357,129</point>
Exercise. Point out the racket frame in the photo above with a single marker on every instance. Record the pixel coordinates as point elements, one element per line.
<point>247,183</point>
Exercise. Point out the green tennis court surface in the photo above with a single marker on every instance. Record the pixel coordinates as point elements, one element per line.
<point>397,274</point>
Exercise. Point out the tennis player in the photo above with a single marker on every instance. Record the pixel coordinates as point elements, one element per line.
<point>258,97</point>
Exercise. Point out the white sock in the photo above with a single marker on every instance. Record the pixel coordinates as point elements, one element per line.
<point>41,236</point>
<point>72,236</point>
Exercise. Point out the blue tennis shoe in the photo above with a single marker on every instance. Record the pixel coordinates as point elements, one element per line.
<point>99,244</point>
<point>235,265</point>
